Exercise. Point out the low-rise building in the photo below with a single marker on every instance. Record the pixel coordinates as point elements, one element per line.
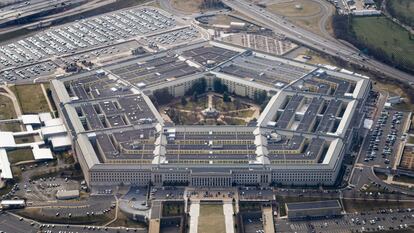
<point>315,209</point>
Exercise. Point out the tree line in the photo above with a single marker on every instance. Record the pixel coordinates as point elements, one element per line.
<point>408,20</point>
<point>342,25</point>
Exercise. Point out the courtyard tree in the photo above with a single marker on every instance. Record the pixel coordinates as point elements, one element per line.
<point>219,87</point>
<point>260,97</point>
<point>163,96</point>
<point>226,97</point>
<point>199,87</point>
<point>183,101</point>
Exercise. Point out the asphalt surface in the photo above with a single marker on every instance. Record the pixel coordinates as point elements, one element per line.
<point>371,221</point>
<point>10,223</point>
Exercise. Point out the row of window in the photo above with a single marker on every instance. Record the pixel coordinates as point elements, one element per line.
<point>244,178</point>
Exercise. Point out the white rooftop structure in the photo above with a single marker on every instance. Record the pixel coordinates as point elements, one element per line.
<point>30,119</point>
<point>12,203</point>
<point>45,116</point>
<point>7,140</point>
<point>67,194</point>
<point>5,172</point>
<point>41,153</point>
<point>53,122</point>
<point>53,130</point>
<point>60,141</point>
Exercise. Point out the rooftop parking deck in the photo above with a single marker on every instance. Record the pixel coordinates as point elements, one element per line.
<point>91,37</point>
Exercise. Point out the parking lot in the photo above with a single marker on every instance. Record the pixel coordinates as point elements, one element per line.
<point>102,54</point>
<point>253,225</point>
<point>382,220</point>
<point>384,138</point>
<point>174,37</point>
<point>12,224</point>
<point>87,34</point>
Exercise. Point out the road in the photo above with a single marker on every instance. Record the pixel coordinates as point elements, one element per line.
<point>11,223</point>
<point>328,10</point>
<point>370,221</point>
<point>330,46</point>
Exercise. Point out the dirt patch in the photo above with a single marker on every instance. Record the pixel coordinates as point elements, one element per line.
<point>211,219</point>
<point>296,8</point>
<point>191,6</point>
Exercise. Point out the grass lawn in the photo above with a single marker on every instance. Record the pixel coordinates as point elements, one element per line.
<point>211,219</point>
<point>12,127</point>
<point>404,10</point>
<point>393,90</point>
<point>191,6</point>
<point>382,176</point>
<point>223,19</point>
<point>404,178</point>
<point>386,35</point>
<point>192,105</point>
<point>66,157</point>
<point>295,8</point>
<point>17,174</point>
<point>185,118</point>
<point>172,209</point>
<point>6,189</point>
<point>6,108</point>
<point>124,221</point>
<point>249,206</point>
<point>410,139</point>
<point>38,215</point>
<point>24,139</point>
<point>31,98</point>
<point>242,113</point>
<point>318,58</point>
<point>361,205</point>
<point>19,155</point>
<point>69,171</point>
<point>303,13</point>
<point>234,121</point>
<point>222,106</point>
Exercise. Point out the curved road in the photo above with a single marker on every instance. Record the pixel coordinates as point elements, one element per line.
<point>329,11</point>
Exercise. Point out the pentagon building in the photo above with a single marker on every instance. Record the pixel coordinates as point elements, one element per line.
<point>311,121</point>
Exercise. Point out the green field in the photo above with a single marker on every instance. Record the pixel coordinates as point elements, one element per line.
<point>402,10</point>
<point>10,126</point>
<point>211,219</point>
<point>6,108</point>
<point>172,209</point>
<point>31,98</point>
<point>20,155</point>
<point>383,34</point>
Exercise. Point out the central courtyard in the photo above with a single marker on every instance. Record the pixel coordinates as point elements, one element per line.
<point>210,108</point>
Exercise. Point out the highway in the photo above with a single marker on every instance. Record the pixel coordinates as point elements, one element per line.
<point>14,12</point>
<point>330,46</point>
